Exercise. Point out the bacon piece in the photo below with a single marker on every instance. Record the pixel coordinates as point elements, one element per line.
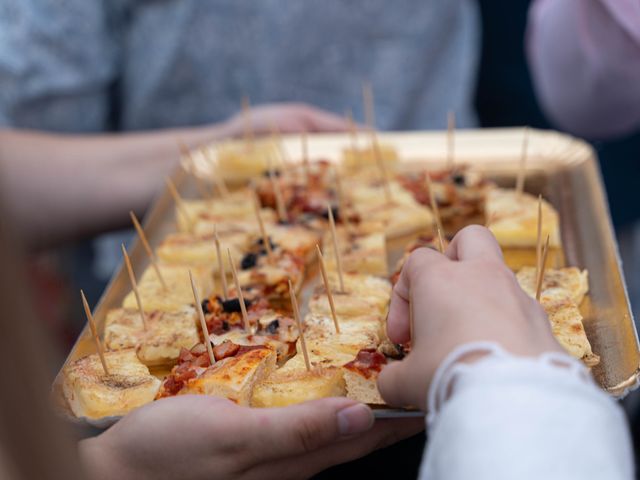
<point>368,362</point>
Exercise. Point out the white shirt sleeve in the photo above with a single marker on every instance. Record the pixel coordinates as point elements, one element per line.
<point>507,417</point>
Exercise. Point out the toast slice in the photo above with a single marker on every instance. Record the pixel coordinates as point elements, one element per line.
<point>166,334</point>
<point>178,293</point>
<point>364,295</point>
<point>93,394</point>
<point>572,280</point>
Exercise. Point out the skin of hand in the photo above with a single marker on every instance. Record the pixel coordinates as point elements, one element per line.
<point>194,437</point>
<point>286,118</point>
<point>466,295</point>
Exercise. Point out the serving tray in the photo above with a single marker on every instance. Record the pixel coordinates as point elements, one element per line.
<point>560,167</point>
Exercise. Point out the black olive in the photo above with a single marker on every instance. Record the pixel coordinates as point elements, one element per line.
<point>249,261</point>
<point>273,327</point>
<point>284,222</point>
<point>261,242</point>
<point>233,305</point>
<point>336,213</point>
<point>225,325</point>
<point>458,179</point>
<point>205,305</point>
<point>275,172</point>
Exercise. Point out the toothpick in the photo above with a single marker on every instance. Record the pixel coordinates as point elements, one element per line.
<point>440,240</point>
<point>243,306</point>
<point>277,192</point>
<point>539,237</point>
<point>369,108</point>
<point>215,176</point>
<point>179,202</point>
<point>522,171</point>
<point>148,249</point>
<point>94,333</point>
<point>542,268</point>
<point>382,167</point>
<point>451,127</point>
<point>433,202</point>
<point>185,152</point>
<point>353,132</point>
<point>134,285</point>
<point>203,322</point>
<point>248,127</point>
<point>296,315</point>
<point>336,251</point>
<point>285,160</point>
<point>223,275</point>
<point>342,205</point>
<point>327,287</point>
<point>263,231</point>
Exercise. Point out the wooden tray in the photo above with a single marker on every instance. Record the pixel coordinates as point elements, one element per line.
<point>560,167</point>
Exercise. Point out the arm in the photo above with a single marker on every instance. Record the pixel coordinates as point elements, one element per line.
<point>584,58</point>
<point>530,413</point>
<point>59,186</point>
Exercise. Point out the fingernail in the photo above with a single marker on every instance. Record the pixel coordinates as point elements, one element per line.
<point>355,419</point>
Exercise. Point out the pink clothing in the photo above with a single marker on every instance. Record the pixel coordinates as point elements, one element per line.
<point>585,61</point>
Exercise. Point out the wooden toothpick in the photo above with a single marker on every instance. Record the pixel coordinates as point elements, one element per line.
<point>543,264</point>
<point>179,202</point>
<point>451,141</point>
<point>223,275</point>
<point>134,285</point>
<point>145,243</point>
<point>296,315</point>
<point>277,192</point>
<point>522,170</point>
<point>243,306</point>
<point>434,203</point>
<point>382,167</point>
<point>94,333</point>
<point>223,191</point>
<point>336,251</point>
<point>248,127</point>
<point>263,231</point>
<point>539,238</point>
<point>203,322</point>
<point>327,287</point>
<point>441,244</point>
<point>342,204</point>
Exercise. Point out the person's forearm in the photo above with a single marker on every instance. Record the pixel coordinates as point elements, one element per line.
<point>584,58</point>
<point>61,186</point>
<point>522,418</point>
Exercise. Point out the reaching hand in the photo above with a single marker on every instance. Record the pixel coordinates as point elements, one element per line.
<point>466,295</point>
<point>286,118</point>
<point>200,437</point>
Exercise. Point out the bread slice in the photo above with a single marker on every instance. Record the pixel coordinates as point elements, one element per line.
<point>567,326</point>
<point>187,249</point>
<point>234,377</point>
<point>364,295</point>
<point>237,163</point>
<point>284,350</point>
<point>295,239</point>
<point>288,387</point>
<point>178,293</point>
<point>160,344</point>
<point>364,254</point>
<point>361,376</point>
<point>513,219</point>
<point>355,160</point>
<point>235,207</point>
<point>93,394</point>
<point>572,280</point>
<point>355,334</point>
